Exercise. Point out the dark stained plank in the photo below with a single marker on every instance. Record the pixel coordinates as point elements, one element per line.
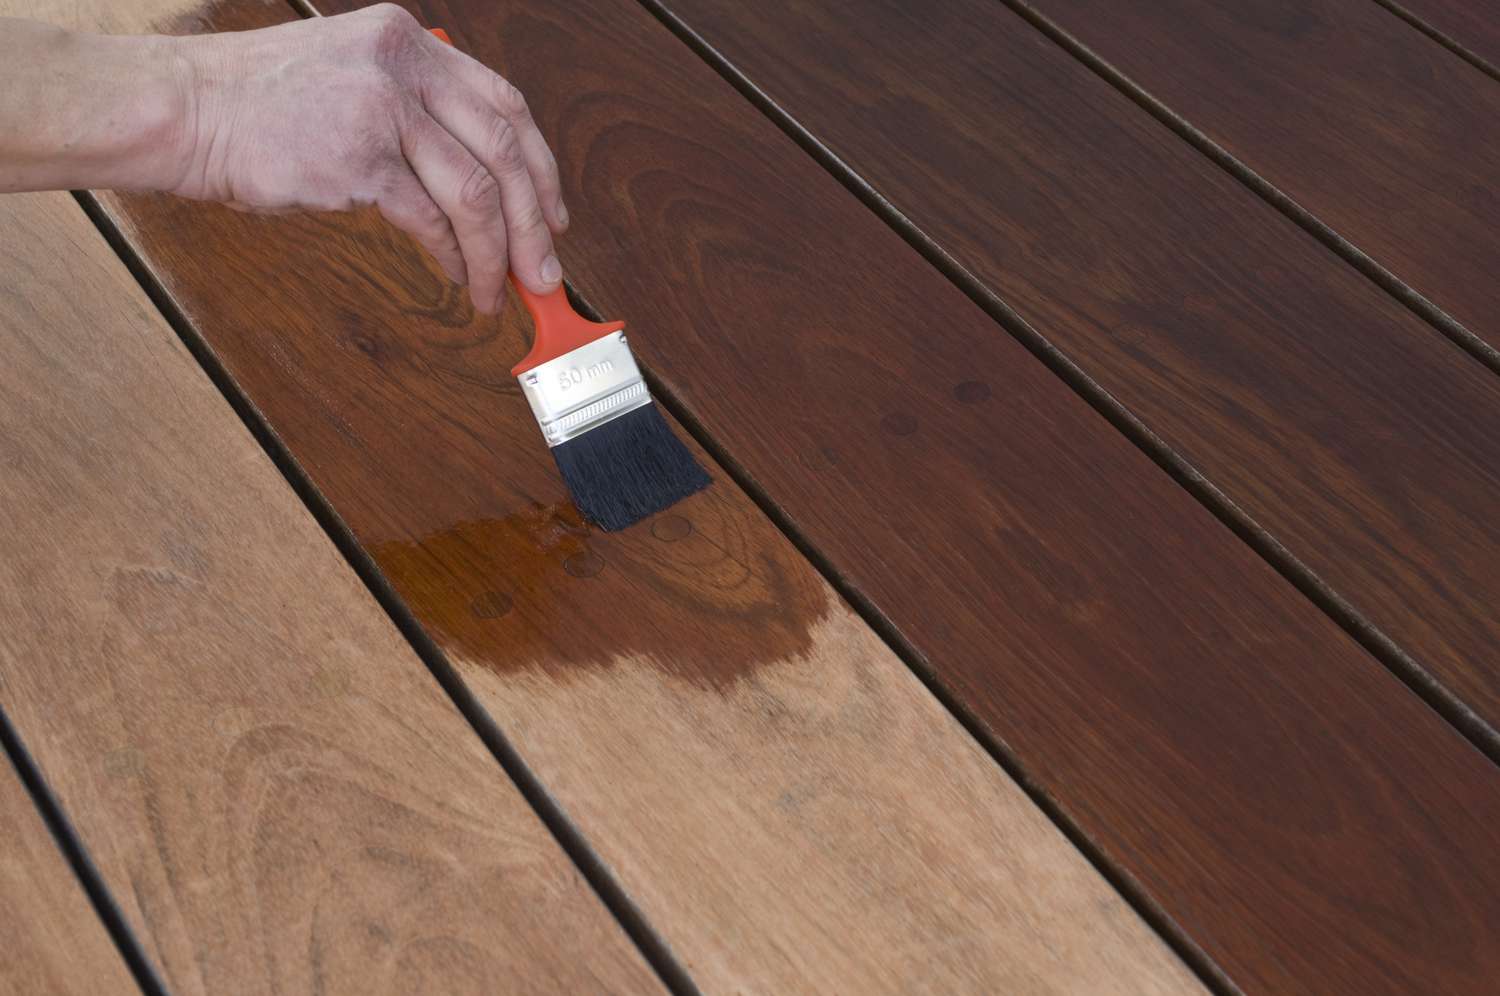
<point>273,787</point>
<point>1363,442</point>
<point>52,942</point>
<point>784,801</point>
<point>1378,131</point>
<point>1473,25</point>
<point>1289,805</point>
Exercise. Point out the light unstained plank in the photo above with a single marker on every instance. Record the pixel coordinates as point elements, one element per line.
<point>1222,741</point>
<point>51,939</point>
<point>782,798</point>
<point>274,788</point>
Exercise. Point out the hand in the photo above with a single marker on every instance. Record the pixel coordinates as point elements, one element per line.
<point>368,108</point>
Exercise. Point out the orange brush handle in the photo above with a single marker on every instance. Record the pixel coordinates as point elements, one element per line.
<point>559,329</point>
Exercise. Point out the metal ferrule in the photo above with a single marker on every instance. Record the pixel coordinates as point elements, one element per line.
<point>583,389</point>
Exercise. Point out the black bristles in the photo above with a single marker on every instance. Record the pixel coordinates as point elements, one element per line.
<point>628,468</point>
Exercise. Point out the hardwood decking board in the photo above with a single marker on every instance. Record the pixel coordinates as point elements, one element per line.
<point>1145,669</point>
<point>1471,25</point>
<point>273,787</point>
<point>781,798</point>
<point>1376,130</point>
<point>51,939</point>
<point>1321,412</point>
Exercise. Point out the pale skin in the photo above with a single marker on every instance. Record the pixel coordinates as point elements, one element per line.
<point>324,114</point>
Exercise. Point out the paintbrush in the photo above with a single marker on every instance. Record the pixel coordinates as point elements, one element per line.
<point>617,455</point>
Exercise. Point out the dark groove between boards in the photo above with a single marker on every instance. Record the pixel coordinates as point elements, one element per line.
<point>1387,281</point>
<point>595,871</point>
<point>1157,918</point>
<point>1369,636</point>
<point>1447,41</point>
<point>1426,685</point>
<point>916,662</point>
<point>1474,728</point>
<point>78,859</point>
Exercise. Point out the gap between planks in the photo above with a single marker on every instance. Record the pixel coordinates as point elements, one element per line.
<point>1412,299</point>
<point>1150,911</point>
<point>1361,628</point>
<point>77,856</point>
<point>1452,44</point>
<point>652,946</point>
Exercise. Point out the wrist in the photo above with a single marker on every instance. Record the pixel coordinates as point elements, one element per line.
<point>118,107</point>
<point>159,149</point>
<point>197,69</point>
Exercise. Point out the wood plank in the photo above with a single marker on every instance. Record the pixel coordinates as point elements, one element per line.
<point>1327,414</point>
<point>52,939</point>
<point>1146,669</point>
<point>1473,26</point>
<point>274,788</point>
<point>1377,131</point>
<point>777,792</point>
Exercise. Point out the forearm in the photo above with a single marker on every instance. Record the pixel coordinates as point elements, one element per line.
<point>90,111</point>
<point>327,113</point>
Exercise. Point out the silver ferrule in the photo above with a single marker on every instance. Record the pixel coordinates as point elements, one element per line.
<point>583,389</point>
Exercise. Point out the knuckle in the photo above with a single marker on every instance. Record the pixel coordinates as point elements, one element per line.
<point>426,216</point>
<point>390,16</point>
<point>505,147</point>
<point>509,99</point>
<point>392,32</point>
<point>441,241</point>
<point>530,223</point>
<point>479,194</point>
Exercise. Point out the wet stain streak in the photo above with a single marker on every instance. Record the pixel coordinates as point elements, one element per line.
<point>708,592</point>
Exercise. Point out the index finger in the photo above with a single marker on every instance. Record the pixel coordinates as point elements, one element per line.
<point>507,101</point>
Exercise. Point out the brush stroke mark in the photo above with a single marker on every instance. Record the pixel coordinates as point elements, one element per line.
<point>708,595</point>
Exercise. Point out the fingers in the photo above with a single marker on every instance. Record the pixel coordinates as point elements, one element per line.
<point>503,99</point>
<point>469,195</point>
<point>494,141</point>
<point>407,205</point>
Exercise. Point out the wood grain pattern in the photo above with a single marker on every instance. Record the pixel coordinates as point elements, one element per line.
<point>274,788</point>
<point>1361,441</point>
<point>1290,806</point>
<point>51,938</point>
<point>1378,131</point>
<point>1473,24</point>
<point>786,803</point>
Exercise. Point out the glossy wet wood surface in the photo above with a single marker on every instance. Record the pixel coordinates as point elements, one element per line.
<point>1472,24</point>
<point>1329,417</point>
<point>765,792</point>
<point>1380,132</point>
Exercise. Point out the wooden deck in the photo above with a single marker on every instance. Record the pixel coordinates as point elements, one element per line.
<point>1097,592</point>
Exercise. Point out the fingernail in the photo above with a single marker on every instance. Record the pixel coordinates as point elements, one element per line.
<point>562,212</point>
<point>551,270</point>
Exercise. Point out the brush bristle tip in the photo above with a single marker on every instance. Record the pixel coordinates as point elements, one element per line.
<point>627,469</point>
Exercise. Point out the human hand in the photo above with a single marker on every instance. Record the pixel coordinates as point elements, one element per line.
<point>368,108</point>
